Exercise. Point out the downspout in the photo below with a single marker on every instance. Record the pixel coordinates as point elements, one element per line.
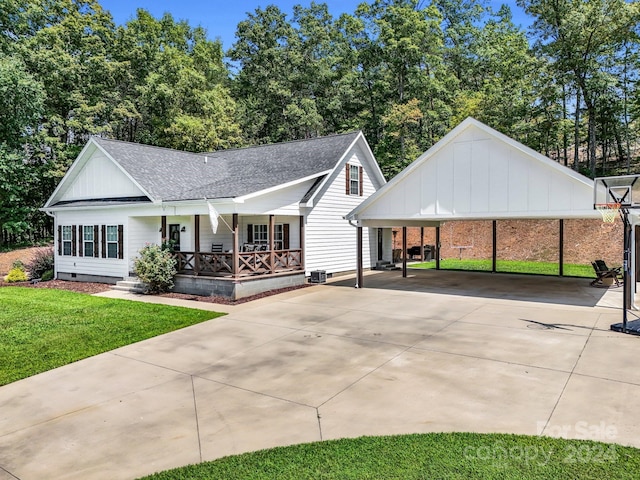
<point>358,264</point>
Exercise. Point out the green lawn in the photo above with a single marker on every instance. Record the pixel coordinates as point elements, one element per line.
<point>427,456</point>
<point>43,328</point>
<point>510,266</point>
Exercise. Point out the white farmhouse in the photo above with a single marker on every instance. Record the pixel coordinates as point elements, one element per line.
<point>280,211</point>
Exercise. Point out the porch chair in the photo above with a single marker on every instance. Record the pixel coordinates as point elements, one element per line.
<point>216,248</point>
<point>605,276</point>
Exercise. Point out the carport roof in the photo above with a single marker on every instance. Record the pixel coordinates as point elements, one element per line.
<point>477,173</point>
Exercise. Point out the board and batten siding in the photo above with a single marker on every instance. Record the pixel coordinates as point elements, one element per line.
<point>100,178</point>
<point>479,175</point>
<point>108,267</point>
<point>330,240</point>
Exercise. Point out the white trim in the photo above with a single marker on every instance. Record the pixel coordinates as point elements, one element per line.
<point>242,198</point>
<point>389,223</point>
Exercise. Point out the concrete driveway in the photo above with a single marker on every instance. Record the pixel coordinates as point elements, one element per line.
<point>439,351</point>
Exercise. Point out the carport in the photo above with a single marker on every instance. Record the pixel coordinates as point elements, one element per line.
<point>477,173</point>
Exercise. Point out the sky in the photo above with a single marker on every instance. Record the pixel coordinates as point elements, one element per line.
<point>220,17</point>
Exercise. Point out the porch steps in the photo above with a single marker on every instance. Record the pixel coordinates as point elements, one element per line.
<point>130,284</point>
<point>385,266</point>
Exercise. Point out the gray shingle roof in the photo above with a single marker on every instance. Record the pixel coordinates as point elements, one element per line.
<point>174,175</point>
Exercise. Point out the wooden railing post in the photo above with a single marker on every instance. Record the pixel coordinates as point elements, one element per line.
<point>272,244</point>
<point>302,242</point>
<point>196,223</point>
<point>235,245</point>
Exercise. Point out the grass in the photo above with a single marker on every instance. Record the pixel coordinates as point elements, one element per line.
<point>41,329</point>
<point>425,456</point>
<point>510,266</point>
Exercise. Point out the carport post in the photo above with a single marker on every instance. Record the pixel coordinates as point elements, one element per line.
<point>561,249</point>
<point>404,251</point>
<point>422,244</point>
<point>437,248</point>
<point>494,253</point>
<point>359,273</point>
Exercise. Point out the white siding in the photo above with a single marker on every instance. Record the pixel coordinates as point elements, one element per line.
<point>330,239</point>
<point>100,178</point>
<point>223,233</point>
<point>141,231</point>
<point>111,267</point>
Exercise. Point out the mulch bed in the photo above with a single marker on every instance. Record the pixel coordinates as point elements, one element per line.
<point>91,288</point>
<point>80,287</point>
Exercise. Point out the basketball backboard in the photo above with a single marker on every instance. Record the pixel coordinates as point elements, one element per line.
<point>622,189</point>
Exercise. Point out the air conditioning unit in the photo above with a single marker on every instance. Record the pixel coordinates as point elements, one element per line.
<point>318,276</point>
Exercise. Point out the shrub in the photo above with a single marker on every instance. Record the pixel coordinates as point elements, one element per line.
<point>16,275</point>
<point>155,267</point>
<point>41,261</point>
<point>18,264</point>
<point>47,275</point>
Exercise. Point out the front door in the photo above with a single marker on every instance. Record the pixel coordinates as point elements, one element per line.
<point>380,230</point>
<point>174,236</point>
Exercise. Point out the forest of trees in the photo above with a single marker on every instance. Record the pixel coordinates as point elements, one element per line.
<point>403,71</point>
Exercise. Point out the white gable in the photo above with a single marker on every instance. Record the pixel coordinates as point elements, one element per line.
<point>478,173</point>
<point>100,178</point>
<point>94,175</point>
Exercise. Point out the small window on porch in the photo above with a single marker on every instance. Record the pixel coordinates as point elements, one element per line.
<point>278,237</point>
<point>260,234</point>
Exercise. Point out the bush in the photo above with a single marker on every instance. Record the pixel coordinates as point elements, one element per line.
<point>41,261</point>
<point>16,275</point>
<point>47,275</point>
<point>18,264</point>
<point>155,267</point>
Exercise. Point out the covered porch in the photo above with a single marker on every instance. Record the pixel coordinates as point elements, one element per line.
<point>244,246</point>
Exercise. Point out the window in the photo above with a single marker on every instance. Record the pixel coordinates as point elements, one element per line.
<point>354,180</point>
<point>261,234</point>
<point>112,241</point>
<point>278,237</point>
<point>66,240</point>
<point>87,240</point>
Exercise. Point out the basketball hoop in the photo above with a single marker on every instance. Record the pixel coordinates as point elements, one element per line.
<point>609,211</point>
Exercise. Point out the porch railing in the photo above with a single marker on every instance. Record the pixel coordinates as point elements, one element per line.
<point>249,263</point>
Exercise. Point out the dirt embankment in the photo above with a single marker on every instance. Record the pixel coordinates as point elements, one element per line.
<point>8,258</point>
<point>534,240</point>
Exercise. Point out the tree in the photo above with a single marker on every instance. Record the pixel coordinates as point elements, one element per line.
<point>21,174</point>
<point>173,93</point>
<point>21,102</point>
<point>581,37</point>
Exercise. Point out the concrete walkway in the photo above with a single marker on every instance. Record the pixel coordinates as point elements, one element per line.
<point>439,351</point>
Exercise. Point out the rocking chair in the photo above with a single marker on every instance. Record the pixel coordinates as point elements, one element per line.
<point>605,276</point>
